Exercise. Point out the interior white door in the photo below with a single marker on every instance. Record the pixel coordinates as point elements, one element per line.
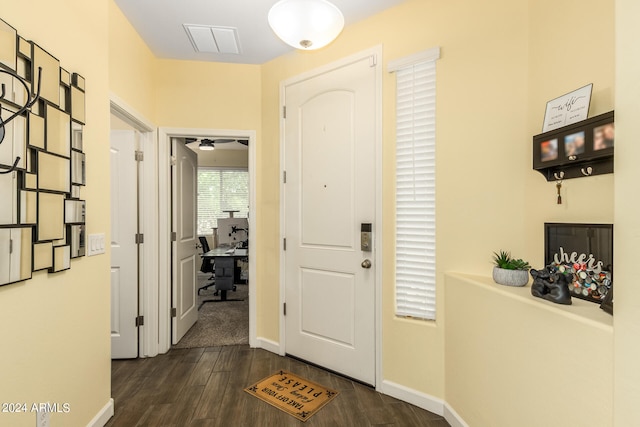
<point>329,192</point>
<point>124,250</point>
<point>185,246</point>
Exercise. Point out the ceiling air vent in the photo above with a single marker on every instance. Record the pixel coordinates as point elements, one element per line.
<point>209,39</point>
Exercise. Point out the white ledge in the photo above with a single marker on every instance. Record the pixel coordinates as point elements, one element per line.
<point>580,310</point>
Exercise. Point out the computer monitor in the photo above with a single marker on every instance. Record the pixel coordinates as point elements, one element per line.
<point>232,231</point>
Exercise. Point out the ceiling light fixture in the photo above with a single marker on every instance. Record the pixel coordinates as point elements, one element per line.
<point>206,145</point>
<point>306,24</point>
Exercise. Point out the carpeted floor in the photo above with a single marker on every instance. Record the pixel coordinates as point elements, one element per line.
<point>219,323</point>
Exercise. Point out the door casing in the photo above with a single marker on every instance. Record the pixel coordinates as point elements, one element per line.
<point>164,216</point>
<point>148,198</point>
<point>375,53</point>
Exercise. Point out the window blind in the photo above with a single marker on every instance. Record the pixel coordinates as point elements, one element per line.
<point>415,189</point>
<point>221,190</point>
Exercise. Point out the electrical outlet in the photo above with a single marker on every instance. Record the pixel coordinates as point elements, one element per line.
<point>96,244</point>
<point>42,419</point>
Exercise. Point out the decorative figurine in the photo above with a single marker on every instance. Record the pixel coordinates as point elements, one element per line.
<point>551,285</point>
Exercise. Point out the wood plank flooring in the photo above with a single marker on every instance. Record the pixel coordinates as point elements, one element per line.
<point>204,387</point>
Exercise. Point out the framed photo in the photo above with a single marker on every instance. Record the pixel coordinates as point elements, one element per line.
<point>603,136</point>
<point>549,150</point>
<point>567,109</point>
<point>574,144</point>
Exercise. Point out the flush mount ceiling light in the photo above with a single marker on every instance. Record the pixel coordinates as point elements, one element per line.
<point>306,24</point>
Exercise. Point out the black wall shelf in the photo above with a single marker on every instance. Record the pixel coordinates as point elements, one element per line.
<point>577,150</point>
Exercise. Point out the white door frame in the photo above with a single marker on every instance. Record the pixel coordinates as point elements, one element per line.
<point>164,215</point>
<point>375,52</point>
<point>148,200</point>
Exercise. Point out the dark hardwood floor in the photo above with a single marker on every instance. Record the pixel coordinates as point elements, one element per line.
<point>204,387</point>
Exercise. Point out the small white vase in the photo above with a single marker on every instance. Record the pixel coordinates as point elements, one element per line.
<point>510,277</point>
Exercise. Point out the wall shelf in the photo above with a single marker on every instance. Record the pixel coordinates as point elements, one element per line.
<point>577,150</point>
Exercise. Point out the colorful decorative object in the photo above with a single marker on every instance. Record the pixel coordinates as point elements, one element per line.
<point>586,282</point>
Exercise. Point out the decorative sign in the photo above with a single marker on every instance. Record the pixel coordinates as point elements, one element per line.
<point>567,109</point>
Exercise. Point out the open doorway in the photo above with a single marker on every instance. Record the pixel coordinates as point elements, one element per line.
<point>222,228</point>
<point>232,160</point>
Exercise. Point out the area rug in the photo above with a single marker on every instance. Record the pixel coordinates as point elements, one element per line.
<point>219,323</point>
<point>292,394</point>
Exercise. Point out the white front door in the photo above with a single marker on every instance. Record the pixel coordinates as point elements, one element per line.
<point>330,154</point>
<point>124,250</point>
<point>185,253</point>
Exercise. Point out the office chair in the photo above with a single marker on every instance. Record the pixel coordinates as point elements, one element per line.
<point>207,264</point>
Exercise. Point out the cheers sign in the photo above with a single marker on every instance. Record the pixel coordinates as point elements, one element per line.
<point>582,260</point>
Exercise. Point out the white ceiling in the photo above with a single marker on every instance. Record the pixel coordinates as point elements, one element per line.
<point>160,24</point>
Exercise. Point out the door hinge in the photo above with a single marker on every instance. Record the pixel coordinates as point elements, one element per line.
<point>139,321</point>
<point>174,236</point>
<point>284,177</point>
<point>373,61</point>
<point>284,308</point>
<point>284,111</point>
<point>10,246</point>
<point>173,160</point>
<point>284,244</point>
<point>139,156</point>
<point>139,238</point>
<point>174,312</point>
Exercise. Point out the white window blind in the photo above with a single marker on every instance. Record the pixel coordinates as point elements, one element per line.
<point>415,188</point>
<point>221,190</point>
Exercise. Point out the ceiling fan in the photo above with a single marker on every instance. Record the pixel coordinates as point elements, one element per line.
<point>207,144</point>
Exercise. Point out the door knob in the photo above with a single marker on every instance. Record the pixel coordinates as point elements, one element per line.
<point>366,263</point>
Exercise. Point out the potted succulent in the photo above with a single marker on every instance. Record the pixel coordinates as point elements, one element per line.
<point>509,271</point>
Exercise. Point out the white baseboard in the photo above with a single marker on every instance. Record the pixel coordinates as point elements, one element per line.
<point>424,401</point>
<point>103,416</point>
<point>452,417</point>
<point>417,398</point>
<point>268,345</point>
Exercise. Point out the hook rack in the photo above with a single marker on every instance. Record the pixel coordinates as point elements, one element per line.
<point>32,98</point>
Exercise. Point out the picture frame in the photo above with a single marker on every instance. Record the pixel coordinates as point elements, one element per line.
<point>567,109</point>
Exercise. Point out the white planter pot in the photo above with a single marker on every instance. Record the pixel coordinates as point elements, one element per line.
<point>510,277</point>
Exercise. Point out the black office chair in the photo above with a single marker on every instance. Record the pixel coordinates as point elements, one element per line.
<point>207,264</point>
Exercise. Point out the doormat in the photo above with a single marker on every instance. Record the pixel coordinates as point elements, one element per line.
<point>292,394</point>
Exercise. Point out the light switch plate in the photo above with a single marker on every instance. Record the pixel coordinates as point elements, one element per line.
<point>96,244</point>
<point>42,419</point>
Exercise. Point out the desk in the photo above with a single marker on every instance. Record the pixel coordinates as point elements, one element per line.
<point>226,272</point>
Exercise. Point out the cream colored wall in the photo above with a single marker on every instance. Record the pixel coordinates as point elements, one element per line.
<point>497,348</point>
<point>192,94</point>
<point>627,216</point>
<point>55,327</point>
<point>131,65</point>
<point>514,360</point>
<point>480,130</point>
<point>558,65</point>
